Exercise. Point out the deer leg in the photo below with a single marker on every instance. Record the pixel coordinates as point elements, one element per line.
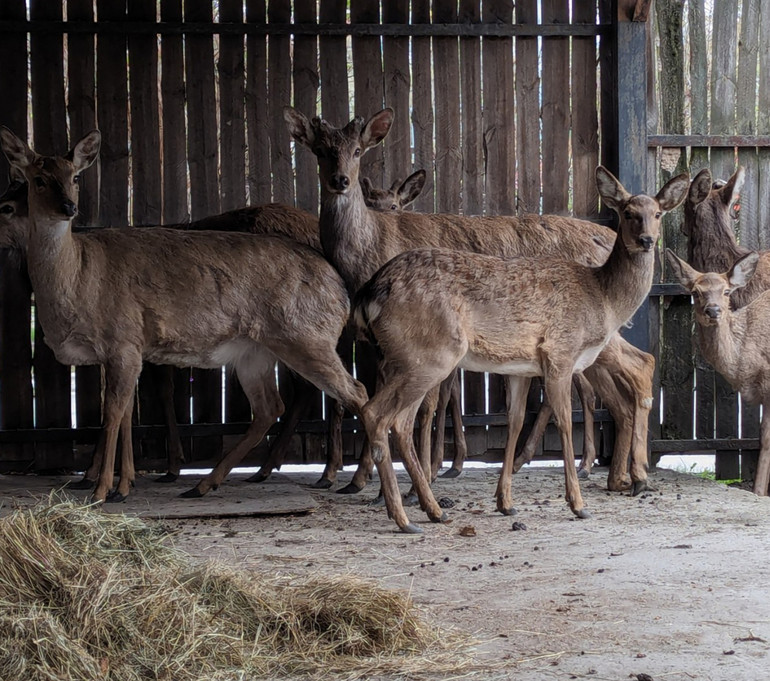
<point>425,412</point>
<point>516,401</point>
<point>557,389</point>
<point>403,429</point>
<point>164,380</point>
<point>588,399</point>
<point>127,470</point>
<point>762,476</point>
<point>256,375</point>
<point>527,452</point>
<point>334,446</point>
<point>294,414</point>
<point>120,382</point>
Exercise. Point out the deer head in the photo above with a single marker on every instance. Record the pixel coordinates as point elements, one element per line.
<point>52,179</point>
<point>399,196</point>
<point>710,203</point>
<point>339,150</point>
<point>711,291</point>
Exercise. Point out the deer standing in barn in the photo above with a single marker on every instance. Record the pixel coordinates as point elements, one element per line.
<point>429,311</point>
<point>117,297</point>
<point>358,242</point>
<point>735,342</point>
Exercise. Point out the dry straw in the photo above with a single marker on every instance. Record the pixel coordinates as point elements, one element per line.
<point>91,596</point>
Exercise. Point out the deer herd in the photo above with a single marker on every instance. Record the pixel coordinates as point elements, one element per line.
<point>521,296</point>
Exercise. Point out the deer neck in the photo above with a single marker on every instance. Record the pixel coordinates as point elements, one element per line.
<point>349,236</point>
<point>722,344</point>
<point>626,279</point>
<point>713,249</point>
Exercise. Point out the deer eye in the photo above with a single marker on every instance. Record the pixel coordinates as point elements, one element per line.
<point>393,207</point>
<point>657,215</point>
<point>728,292</point>
<point>76,179</point>
<point>627,214</point>
<point>40,182</point>
<point>357,152</point>
<point>7,209</point>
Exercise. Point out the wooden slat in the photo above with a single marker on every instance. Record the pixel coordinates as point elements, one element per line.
<point>279,86</point>
<point>607,88</point>
<point>16,356</point>
<point>52,380</point>
<point>422,108</point>
<point>202,145</point>
<point>258,138</point>
<point>473,134</point>
<point>398,146</point>
<point>528,113</point>
<point>333,64</point>
<point>585,120</point>
<point>763,128</point>
<point>555,113</point>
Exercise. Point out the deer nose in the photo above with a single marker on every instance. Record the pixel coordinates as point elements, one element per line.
<point>713,311</point>
<point>340,182</point>
<point>646,242</point>
<point>70,209</point>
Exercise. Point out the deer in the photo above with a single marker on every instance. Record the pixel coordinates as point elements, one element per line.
<point>432,310</point>
<point>203,299</point>
<point>358,242</point>
<point>398,197</point>
<point>734,341</point>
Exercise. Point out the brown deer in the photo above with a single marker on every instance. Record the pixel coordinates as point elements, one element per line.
<point>358,241</point>
<point>398,197</point>
<point>117,297</point>
<point>430,311</point>
<point>735,342</point>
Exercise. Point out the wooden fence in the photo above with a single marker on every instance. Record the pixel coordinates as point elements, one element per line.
<point>507,111</point>
<point>714,111</point>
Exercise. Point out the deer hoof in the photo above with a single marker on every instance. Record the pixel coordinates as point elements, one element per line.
<point>451,473</point>
<point>640,486</point>
<point>411,499</point>
<point>193,493</point>
<point>443,518</point>
<point>167,477</point>
<point>582,514</point>
<point>508,511</point>
<point>349,489</point>
<point>323,483</point>
<point>379,500</point>
<point>411,528</point>
<point>259,476</point>
<point>83,483</point>
<point>115,497</point>
<point>583,474</point>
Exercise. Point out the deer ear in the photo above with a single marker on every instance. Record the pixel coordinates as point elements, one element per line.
<point>16,150</point>
<point>684,274</point>
<point>366,186</point>
<point>673,192</point>
<point>376,128</point>
<point>411,188</point>
<point>733,186</point>
<point>613,194</point>
<point>743,270</point>
<point>86,151</point>
<point>299,126</point>
<point>700,187</point>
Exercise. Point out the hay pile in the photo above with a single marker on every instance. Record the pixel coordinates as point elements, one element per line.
<point>87,596</point>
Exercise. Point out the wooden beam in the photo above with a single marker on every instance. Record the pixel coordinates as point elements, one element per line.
<point>708,141</point>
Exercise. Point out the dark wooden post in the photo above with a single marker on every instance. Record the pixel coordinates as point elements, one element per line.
<point>630,77</point>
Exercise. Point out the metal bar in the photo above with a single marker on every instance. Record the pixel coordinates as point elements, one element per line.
<point>223,28</point>
<point>708,140</point>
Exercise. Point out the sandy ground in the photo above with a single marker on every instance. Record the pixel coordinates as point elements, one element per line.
<point>672,584</point>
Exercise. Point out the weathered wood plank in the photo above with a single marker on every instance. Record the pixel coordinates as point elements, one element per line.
<point>422,107</point>
<point>472,124</point>
<point>279,86</point>
<point>763,128</point>
<point>333,65</point>
<point>257,115</point>
<point>397,79</point>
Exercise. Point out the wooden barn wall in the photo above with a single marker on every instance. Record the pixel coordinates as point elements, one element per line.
<point>498,103</point>
<point>714,76</point>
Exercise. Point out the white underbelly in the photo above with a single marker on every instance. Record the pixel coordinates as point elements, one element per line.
<point>588,357</point>
<point>473,362</point>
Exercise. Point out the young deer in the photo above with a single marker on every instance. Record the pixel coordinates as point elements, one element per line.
<point>398,197</point>
<point>735,342</point>
<point>431,310</point>
<point>358,241</point>
<point>116,297</point>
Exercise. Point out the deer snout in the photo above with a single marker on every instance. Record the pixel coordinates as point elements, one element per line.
<point>340,182</point>
<point>712,311</point>
<point>646,242</point>
<point>69,208</point>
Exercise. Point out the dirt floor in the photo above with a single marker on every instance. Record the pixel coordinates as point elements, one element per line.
<point>672,584</point>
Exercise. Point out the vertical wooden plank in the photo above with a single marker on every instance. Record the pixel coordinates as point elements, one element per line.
<point>555,112</point>
<point>232,151</point>
<point>472,127</point>
<point>395,51</point>
<point>422,107</point>
<point>15,319</point>
<point>763,128</point>
<point>333,64</point>
<point>723,91</point>
<point>528,113</point>
<point>258,138</point>
<point>446,74</point>
<point>699,86</point>
<point>52,380</point>
<point>499,117</point>
<point>174,144</point>
<point>305,97</point>
<point>81,102</point>
<point>279,86</point>
<point>585,119</point>
<point>202,160</point>
<point>608,48</point>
